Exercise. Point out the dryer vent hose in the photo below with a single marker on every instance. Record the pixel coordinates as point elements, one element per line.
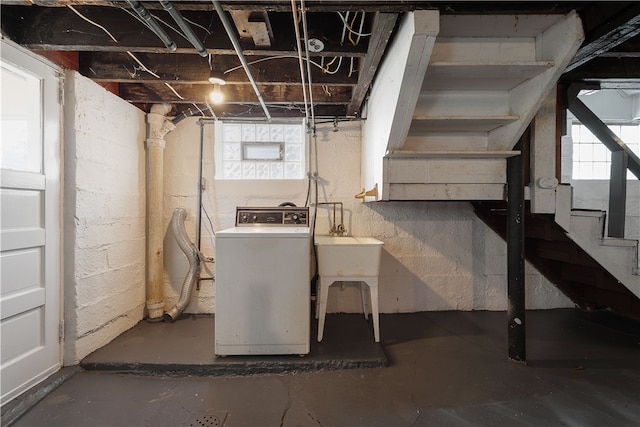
<point>190,250</point>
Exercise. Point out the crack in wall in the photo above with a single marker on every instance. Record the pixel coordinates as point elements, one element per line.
<point>94,330</point>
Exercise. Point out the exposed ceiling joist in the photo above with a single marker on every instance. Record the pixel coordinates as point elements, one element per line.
<point>138,66</point>
<point>603,38</point>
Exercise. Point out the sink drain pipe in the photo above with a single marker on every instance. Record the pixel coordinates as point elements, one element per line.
<point>192,254</point>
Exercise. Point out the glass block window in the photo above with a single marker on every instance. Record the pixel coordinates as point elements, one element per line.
<point>591,159</point>
<point>260,150</point>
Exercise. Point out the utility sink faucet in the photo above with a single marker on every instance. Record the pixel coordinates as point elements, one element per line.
<point>336,229</point>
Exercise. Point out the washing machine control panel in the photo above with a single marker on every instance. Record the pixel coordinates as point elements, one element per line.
<point>289,216</point>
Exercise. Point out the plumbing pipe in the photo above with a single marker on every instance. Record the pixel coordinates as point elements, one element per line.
<point>153,24</point>
<point>296,27</point>
<point>236,45</point>
<point>339,229</point>
<point>306,50</point>
<point>200,189</point>
<point>186,28</point>
<point>190,250</point>
<point>159,126</point>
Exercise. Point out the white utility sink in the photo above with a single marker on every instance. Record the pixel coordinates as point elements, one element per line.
<point>348,256</point>
<point>349,259</point>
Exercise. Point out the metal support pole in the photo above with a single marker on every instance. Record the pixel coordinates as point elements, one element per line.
<point>515,259</point>
<point>618,193</point>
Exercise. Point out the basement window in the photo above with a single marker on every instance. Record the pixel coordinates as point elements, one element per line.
<point>246,151</point>
<point>591,159</point>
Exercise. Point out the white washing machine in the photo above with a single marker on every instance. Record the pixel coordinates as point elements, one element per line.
<point>262,303</point>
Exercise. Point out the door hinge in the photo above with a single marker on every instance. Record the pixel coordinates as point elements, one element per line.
<point>61,330</point>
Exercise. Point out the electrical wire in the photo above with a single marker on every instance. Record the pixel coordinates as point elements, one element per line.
<point>92,22</point>
<point>174,91</point>
<point>268,58</point>
<point>197,25</point>
<point>198,108</point>
<point>135,58</point>
<point>327,71</point>
<point>213,114</point>
<point>355,15</point>
<point>143,67</point>
<point>344,27</point>
<point>351,30</point>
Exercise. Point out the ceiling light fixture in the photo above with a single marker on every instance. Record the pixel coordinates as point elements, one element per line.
<point>217,80</point>
<point>216,95</point>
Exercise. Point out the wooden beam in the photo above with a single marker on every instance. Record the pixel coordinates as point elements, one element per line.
<point>242,111</point>
<point>383,25</point>
<point>230,5</point>
<point>607,68</point>
<point>120,67</point>
<point>54,28</point>
<point>612,33</point>
<point>138,93</point>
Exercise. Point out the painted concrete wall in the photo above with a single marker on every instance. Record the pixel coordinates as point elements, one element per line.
<point>104,216</point>
<point>437,255</point>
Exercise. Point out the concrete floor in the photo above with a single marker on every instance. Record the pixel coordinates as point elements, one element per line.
<point>445,369</point>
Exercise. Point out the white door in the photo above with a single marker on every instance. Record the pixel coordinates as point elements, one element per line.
<point>30,224</point>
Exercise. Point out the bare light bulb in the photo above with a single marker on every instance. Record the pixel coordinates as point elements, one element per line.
<point>216,94</point>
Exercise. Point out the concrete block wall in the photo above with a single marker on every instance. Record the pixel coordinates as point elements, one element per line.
<point>104,216</point>
<point>437,255</point>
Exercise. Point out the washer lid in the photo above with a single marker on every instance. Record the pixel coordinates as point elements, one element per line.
<point>257,232</point>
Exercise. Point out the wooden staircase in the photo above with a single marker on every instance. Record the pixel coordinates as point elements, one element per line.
<point>471,86</point>
<point>568,265</point>
<point>452,98</point>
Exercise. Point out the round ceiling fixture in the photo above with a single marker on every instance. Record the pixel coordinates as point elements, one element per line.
<point>315,45</point>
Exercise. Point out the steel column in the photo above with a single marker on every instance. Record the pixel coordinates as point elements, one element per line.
<point>618,193</point>
<point>515,259</point>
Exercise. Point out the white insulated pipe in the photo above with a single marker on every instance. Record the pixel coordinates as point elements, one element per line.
<point>158,127</point>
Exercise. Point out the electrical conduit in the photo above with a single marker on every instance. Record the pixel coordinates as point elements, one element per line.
<point>190,250</point>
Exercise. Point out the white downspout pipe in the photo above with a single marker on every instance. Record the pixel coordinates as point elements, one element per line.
<point>159,126</point>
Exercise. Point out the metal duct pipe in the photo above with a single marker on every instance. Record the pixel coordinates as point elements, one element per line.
<point>185,27</point>
<point>236,46</point>
<point>190,250</point>
<point>153,24</point>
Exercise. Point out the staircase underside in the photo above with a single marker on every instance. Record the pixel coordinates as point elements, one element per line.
<point>564,263</point>
<point>470,87</point>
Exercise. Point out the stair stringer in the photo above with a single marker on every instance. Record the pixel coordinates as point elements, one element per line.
<point>557,45</point>
<point>618,256</point>
<point>586,229</point>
